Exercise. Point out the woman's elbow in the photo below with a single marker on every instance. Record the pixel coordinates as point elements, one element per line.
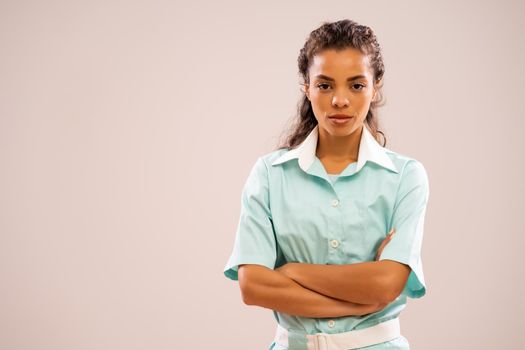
<point>389,295</point>
<point>394,282</point>
<point>245,284</point>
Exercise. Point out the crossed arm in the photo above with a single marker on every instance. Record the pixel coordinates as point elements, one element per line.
<point>364,283</point>
<point>273,290</point>
<point>316,290</point>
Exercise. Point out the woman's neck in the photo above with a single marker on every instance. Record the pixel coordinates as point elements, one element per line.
<point>338,149</point>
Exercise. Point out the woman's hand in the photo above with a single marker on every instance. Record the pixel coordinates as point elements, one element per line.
<point>384,243</point>
<point>365,309</point>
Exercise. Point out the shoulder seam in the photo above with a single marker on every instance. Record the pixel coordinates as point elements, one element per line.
<point>402,173</point>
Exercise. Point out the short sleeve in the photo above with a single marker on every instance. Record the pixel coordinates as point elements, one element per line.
<point>408,220</point>
<point>255,238</point>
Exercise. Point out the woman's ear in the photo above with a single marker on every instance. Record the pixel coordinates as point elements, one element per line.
<point>374,95</point>
<point>306,90</point>
<point>377,86</point>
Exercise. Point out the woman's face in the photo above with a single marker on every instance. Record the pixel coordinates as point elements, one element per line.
<point>340,82</point>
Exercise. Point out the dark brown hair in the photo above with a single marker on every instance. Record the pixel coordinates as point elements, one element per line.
<point>336,35</point>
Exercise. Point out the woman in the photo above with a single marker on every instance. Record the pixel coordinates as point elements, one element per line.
<point>331,223</point>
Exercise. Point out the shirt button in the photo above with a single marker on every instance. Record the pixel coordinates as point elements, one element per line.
<point>335,202</point>
<point>331,323</point>
<point>334,243</point>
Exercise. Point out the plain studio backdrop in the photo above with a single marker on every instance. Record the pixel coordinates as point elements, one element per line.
<point>128,128</point>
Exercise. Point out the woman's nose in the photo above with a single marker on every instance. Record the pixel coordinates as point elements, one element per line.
<point>340,101</point>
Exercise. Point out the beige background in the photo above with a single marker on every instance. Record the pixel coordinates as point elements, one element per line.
<point>128,128</point>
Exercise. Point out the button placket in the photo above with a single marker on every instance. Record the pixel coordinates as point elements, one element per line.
<point>333,242</point>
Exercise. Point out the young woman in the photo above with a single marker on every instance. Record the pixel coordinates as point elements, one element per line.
<point>331,223</point>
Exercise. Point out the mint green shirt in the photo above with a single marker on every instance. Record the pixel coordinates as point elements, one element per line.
<point>293,211</point>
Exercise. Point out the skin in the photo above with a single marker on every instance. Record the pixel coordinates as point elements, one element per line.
<point>274,290</point>
<point>341,82</point>
<point>317,290</point>
<point>277,290</point>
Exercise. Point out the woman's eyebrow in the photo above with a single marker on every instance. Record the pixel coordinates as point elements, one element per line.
<point>325,77</point>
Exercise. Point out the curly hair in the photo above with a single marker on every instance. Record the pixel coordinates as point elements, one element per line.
<point>337,35</point>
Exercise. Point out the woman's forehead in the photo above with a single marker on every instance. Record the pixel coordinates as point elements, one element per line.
<point>340,63</point>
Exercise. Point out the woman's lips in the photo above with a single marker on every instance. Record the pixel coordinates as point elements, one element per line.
<point>339,119</point>
<point>340,116</point>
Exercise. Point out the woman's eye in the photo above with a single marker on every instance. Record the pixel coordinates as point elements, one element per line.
<point>324,86</point>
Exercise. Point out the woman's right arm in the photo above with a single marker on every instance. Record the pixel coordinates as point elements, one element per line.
<point>271,289</point>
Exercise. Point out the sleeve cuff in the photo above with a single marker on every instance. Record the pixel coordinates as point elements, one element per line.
<point>415,286</point>
<point>231,270</point>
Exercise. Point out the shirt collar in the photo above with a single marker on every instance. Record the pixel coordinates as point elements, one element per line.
<point>369,150</point>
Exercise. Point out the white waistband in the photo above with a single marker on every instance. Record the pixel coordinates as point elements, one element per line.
<point>354,339</point>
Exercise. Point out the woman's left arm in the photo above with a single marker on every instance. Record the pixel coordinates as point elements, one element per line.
<point>364,283</point>
<point>382,280</point>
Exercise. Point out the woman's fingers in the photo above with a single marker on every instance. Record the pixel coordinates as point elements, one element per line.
<point>368,309</point>
<point>384,243</point>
